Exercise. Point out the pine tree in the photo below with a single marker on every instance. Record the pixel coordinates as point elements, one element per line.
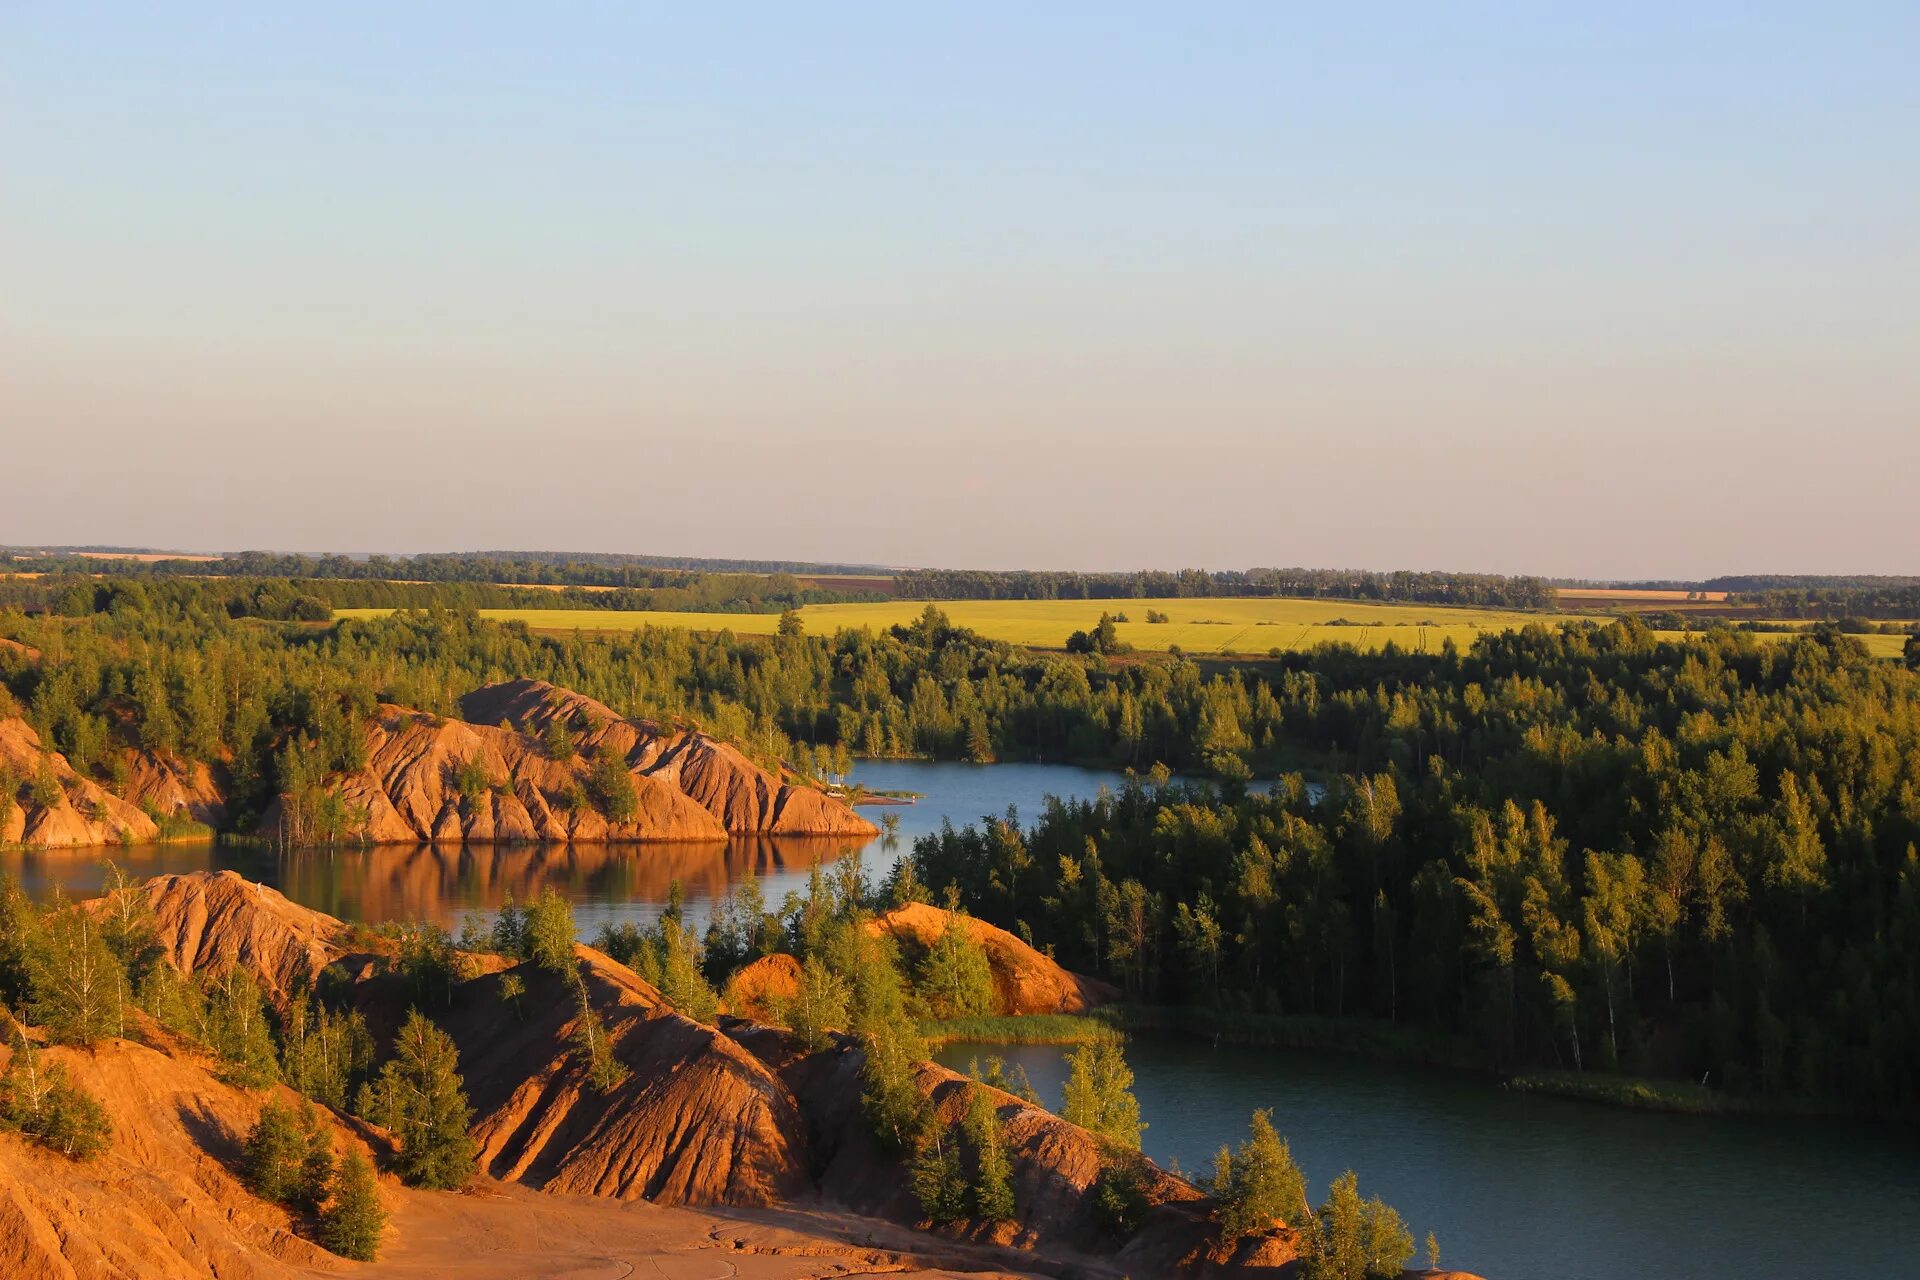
<point>939,1183</point>
<point>556,741</point>
<point>351,1225</point>
<point>272,1153</point>
<point>420,1097</point>
<point>316,1164</point>
<point>612,786</point>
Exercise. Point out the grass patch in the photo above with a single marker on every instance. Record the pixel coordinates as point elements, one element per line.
<point>1033,1028</point>
<point>1636,1092</point>
<point>1361,1037</point>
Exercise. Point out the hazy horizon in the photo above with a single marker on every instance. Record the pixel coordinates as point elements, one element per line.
<point>1631,294</point>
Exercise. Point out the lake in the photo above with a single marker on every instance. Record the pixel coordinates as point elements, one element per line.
<point>1517,1187</point>
<point>1522,1187</point>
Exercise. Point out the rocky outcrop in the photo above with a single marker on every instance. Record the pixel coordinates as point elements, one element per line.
<point>163,1201</point>
<point>432,779</point>
<point>1024,980</point>
<point>53,807</point>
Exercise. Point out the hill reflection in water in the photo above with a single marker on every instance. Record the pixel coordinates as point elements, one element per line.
<point>445,883</point>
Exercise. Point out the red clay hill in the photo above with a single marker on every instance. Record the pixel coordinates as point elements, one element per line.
<point>687,786</point>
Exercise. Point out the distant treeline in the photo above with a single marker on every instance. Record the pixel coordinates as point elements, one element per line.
<point>314,599</point>
<point>1810,582</point>
<point>1894,598</point>
<point>537,568</point>
<point>1484,589</point>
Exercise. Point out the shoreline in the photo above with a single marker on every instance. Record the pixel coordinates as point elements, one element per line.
<point>1386,1043</point>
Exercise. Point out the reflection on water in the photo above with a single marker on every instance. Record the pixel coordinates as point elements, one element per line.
<point>445,883</point>
<point>605,883</point>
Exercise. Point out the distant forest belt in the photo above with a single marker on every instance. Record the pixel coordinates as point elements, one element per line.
<point>1204,625</point>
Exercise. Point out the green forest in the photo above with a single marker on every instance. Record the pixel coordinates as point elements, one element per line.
<point>1574,847</point>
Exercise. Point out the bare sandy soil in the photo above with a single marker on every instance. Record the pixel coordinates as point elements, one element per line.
<point>498,1231</point>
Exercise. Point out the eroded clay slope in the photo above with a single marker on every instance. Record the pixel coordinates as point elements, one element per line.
<point>213,920</point>
<point>77,813</point>
<point>490,779</point>
<point>697,1120</point>
<point>163,1202</point>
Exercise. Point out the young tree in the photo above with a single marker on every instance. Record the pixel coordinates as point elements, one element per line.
<point>681,982</point>
<point>1260,1184</point>
<point>550,932</point>
<point>955,979</point>
<point>939,1182</point>
<point>324,1054</point>
<point>1357,1239</point>
<point>604,1070</point>
<point>38,1099</point>
<point>819,1005</point>
<point>236,1029</point>
<point>78,984</point>
<point>612,786</point>
<point>421,1098</point>
<point>288,1157</point>
<point>556,741</point>
<point>993,1169</point>
<point>1099,1095</point>
<point>1433,1252</point>
<point>896,1110</point>
<point>352,1223</point>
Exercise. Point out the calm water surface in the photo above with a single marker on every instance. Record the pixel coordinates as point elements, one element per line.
<point>1516,1187</point>
<point>1529,1188</point>
<point>605,883</point>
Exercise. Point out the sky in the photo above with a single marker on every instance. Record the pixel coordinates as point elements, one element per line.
<point>1610,291</point>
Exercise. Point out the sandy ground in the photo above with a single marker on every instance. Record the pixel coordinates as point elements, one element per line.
<point>503,1232</point>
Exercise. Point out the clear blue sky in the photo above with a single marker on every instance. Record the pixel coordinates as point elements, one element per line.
<point>1610,290</point>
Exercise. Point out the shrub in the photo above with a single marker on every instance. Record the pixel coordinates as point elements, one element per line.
<point>38,1099</point>
<point>1119,1192</point>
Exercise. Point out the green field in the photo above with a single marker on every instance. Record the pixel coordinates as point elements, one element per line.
<point>1201,626</point>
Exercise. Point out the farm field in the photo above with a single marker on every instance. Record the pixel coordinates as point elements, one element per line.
<point>1200,626</point>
